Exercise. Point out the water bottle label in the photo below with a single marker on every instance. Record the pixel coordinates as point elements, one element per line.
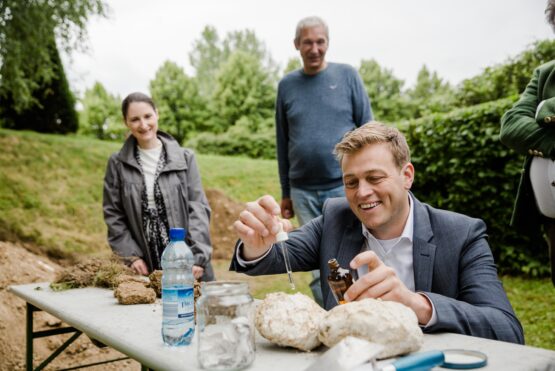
<point>178,303</point>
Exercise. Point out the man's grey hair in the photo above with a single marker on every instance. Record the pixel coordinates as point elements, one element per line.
<point>310,22</point>
<point>550,13</point>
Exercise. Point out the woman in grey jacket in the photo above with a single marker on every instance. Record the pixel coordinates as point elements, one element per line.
<point>150,185</point>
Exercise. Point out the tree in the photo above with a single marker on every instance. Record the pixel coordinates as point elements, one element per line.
<point>54,111</point>
<point>101,114</point>
<point>384,91</point>
<point>292,65</point>
<point>25,47</point>
<point>243,110</point>
<point>205,58</point>
<point>209,54</point>
<point>430,94</point>
<point>182,110</point>
<point>427,84</point>
<point>243,89</point>
<point>247,42</point>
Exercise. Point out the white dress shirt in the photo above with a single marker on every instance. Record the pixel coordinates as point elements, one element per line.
<point>395,253</point>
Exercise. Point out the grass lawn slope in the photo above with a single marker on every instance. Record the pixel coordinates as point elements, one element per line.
<point>51,188</point>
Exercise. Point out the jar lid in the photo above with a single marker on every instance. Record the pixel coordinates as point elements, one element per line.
<point>224,288</point>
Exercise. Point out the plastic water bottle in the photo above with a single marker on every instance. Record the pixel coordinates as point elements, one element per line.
<point>178,302</point>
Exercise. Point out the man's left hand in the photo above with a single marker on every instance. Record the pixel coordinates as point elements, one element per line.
<point>382,282</point>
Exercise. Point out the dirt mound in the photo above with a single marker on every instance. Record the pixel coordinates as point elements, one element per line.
<point>224,212</point>
<point>21,264</point>
<point>18,266</point>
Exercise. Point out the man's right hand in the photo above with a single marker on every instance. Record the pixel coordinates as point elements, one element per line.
<point>287,208</point>
<point>258,225</point>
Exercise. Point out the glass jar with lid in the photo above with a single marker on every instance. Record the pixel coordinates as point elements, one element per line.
<point>225,316</point>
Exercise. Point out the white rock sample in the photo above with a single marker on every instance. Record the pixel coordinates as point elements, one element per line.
<point>388,323</point>
<point>290,320</point>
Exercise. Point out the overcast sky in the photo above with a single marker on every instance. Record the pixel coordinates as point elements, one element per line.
<point>455,38</point>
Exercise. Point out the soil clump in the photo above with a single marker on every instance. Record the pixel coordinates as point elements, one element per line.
<point>132,292</point>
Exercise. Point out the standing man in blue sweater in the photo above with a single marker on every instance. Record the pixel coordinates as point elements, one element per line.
<point>315,107</point>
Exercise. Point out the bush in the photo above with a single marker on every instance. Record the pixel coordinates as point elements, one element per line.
<point>241,139</point>
<point>462,166</point>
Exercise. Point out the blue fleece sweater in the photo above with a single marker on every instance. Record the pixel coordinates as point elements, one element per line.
<point>313,112</point>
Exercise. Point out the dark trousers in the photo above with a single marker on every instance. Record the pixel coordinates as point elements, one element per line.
<point>550,232</point>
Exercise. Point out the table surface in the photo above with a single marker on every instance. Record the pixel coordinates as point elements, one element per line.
<point>135,331</point>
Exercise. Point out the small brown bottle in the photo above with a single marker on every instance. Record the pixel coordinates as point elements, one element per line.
<point>339,279</point>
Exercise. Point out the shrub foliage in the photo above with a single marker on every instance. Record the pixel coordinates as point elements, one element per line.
<point>462,166</point>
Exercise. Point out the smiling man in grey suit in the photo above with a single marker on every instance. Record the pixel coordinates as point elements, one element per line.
<point>436,262</point>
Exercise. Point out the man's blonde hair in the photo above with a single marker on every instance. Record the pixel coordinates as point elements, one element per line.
<point>372,133</point>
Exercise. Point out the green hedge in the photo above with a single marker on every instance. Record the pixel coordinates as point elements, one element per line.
<point>462,166</point>
<point>245,138</point>
<point>254,145</point>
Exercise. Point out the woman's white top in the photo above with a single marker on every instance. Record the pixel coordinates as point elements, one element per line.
<point>149,160</point>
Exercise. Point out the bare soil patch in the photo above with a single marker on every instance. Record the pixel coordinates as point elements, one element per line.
<point>21,263</point>
<point>20,266</point>
<point>224,212</point>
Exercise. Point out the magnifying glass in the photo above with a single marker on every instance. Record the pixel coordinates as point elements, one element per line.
<point>462,359</point>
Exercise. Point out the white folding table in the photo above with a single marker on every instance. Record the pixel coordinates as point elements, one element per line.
<point>134,330</point>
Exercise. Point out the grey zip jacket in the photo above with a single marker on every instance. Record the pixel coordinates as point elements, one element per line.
<point>184,199</point>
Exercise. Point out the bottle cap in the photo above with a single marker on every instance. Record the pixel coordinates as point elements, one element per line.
<point>281,235</point>
<point>177,234</point>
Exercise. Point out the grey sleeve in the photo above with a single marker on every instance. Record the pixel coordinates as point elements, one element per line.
<point>282,143</point>
<point>303,247</point>
<point>199,213</point>
<point>481,307</point>
<point>362,110</point>
<point>119,236</point>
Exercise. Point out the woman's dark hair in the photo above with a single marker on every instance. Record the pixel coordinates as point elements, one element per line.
<point>135,97</point>
<point>550,13</point>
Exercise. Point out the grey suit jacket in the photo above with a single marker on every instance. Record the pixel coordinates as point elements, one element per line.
<point>453,266</point>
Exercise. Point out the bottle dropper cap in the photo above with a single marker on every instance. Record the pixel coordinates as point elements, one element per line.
<point>281,235</point>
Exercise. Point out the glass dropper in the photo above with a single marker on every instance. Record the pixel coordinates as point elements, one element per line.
<point>281,237</point>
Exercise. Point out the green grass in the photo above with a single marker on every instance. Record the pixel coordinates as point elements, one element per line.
<point>261,285</point>
<point>51,194</point>
<point>534,304</point>
<point>242,179</point>
<point>51,188</point>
